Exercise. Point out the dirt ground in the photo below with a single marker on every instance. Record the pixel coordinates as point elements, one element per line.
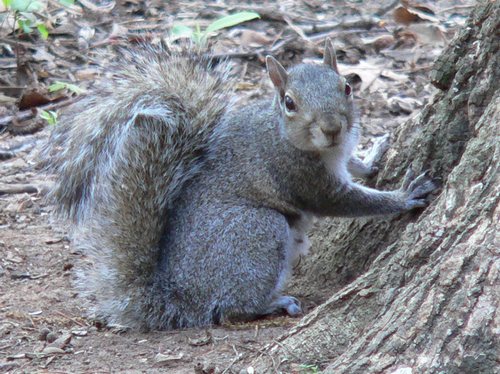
<point>43,322</point>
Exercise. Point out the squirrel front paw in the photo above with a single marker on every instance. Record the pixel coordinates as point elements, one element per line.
<point>416,190</point>
<point>370,165</point>
<point>373,158</point>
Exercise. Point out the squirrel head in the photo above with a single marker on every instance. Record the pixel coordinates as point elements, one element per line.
<point>315,101</point>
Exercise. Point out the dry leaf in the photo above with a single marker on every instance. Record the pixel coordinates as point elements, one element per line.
<point>79,333</point>
<point>43,55</point>
<point>204,340</point>
<point>85,35</point>
<point>53,350</point>
<point>246,86</point>
<point>369,71</point>
<point>394,76</point>
<point>405,38</point>
<point>404,16</point>
<point>380,42</point>
<point>161,358</point>
<point>62,341</point>
<point>407,14</point>
<point>428,33</point>
<point>251,38</point>
<point>405,105</point>
<point>106,8</point>
<point>118,31</point>
<point>7,99</point>
<point>32,98</point>
<point>86,74</point>
<point>16,356</point>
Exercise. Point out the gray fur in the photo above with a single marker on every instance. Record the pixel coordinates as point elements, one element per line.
<point>194,213</point>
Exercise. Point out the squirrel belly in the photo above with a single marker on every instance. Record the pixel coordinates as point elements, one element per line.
<point>193,212</point>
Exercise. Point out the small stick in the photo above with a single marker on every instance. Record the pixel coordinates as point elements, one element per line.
<point>17,188</point>
<point>31,113</point>
<point>71,319</point>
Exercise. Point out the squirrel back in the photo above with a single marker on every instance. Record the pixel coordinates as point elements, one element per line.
<point>122,154</point>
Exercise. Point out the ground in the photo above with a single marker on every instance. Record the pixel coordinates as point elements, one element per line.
<point>43,322</point>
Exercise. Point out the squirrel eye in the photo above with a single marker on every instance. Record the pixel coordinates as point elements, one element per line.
<point>348,90</point>
<point>289,104</point>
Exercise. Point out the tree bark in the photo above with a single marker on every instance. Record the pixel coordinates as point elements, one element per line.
<point>417,293</point>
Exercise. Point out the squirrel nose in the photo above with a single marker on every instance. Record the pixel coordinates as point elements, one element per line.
<point>331,132</point>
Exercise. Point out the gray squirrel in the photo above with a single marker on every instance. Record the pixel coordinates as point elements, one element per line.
<point>192,211</point>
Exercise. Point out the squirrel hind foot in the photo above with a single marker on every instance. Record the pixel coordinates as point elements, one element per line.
<point>291,305</point>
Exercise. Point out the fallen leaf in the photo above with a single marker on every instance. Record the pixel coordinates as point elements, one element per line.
<point>118,31</point>
<point>380,42</point>
<point>33,98</point>
<point>7,99</point>
<point>80,332</point>
<point>406,105</point>
<point>429,33</point>
<point>105,8</point>
<point>42,55</point>
<point>86,74</point>
<point>161,358</point>
<point>407,14</point>
<point>62,341</point>
<point>245,86</point>
<point>53,350</point>
<point>203,340</point>
<point>16,356</point>
<point>394,76</point>
<point>369,71</point>
<point>251,38</point>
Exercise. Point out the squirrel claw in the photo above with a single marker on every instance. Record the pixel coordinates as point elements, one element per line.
<point>417,189</point>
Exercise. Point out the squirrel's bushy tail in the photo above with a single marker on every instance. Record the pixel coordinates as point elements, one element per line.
<point>121,156</point>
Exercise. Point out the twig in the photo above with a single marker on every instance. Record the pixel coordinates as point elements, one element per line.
<point>14,42</point>
<point>257,52</point>
<point>456,7</point>
<point>364,23</point>
<point>265,13</point>
<point>295,28</point>
<point>12,151</point>
<point>31,113</point>
<point>71,319</point>
<point>17,188</point>
<point>235,360</point>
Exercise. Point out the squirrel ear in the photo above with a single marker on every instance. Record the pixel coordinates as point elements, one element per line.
<point>277,73</point>
<point>330,58</point>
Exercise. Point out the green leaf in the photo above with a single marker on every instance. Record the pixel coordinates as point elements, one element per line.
<point>6,3</point>
<point>74,88</point>
<point>198,35</point>
<point>25,25</point>
<point>44,33</point>
<point>58,86</point>
<point>26,5</point>
<point>181,31</point>
<point>49,116</point>
<point>67,2</point>
<point>231,20</point>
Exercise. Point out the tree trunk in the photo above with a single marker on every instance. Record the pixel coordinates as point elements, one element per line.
<point>417,293</point>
